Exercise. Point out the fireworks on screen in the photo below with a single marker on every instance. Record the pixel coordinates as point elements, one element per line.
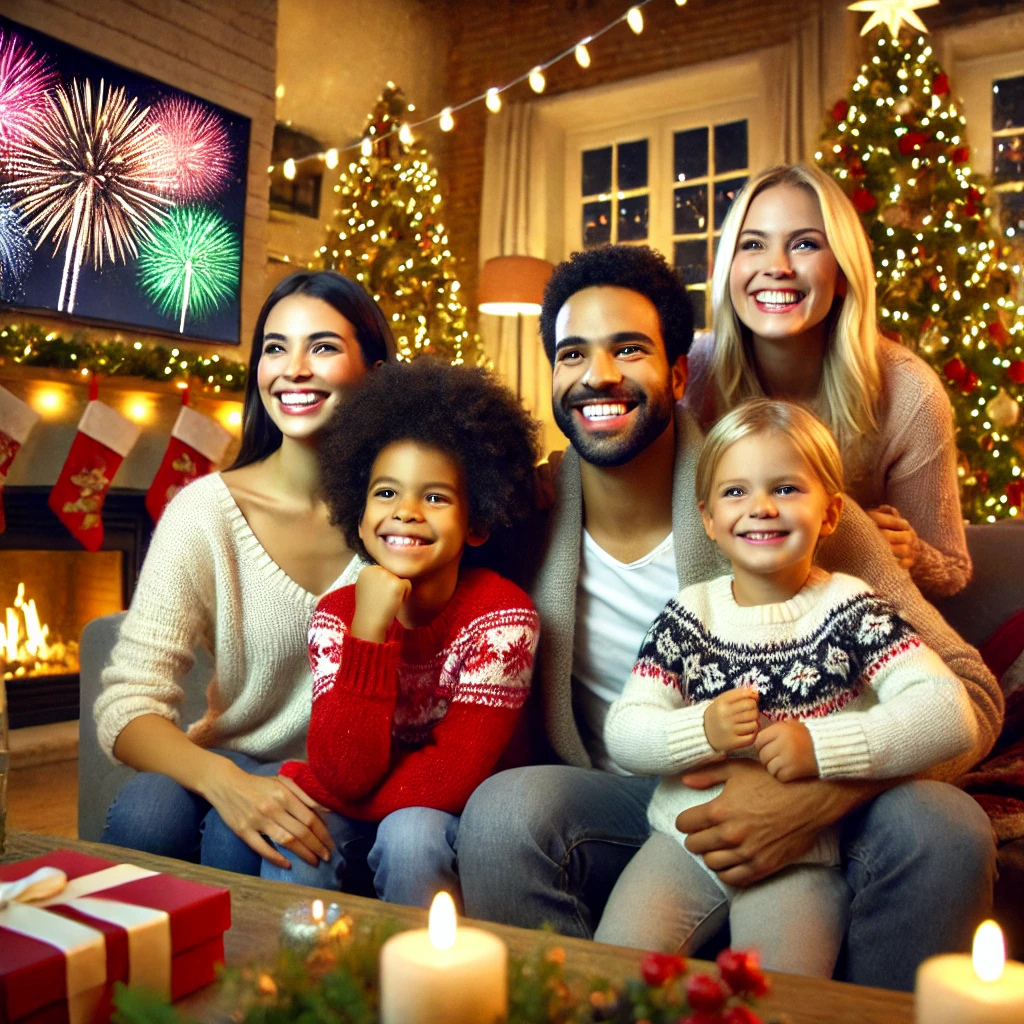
<point>86,179</point>
<point>15,252</point>
<point>192,146</point>
<point>189,264</point>
<point>25,77</point>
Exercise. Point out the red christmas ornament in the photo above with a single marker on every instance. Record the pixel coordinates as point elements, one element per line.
<point>857,168</point>
<point>955,370</point>
<point>705,993</point>
<point>998,333</point>
<point>1015,493</point>
<point>660,968</point>
<point>935,282</point>
<point>970,208</point>
<point>911,142</point>
<point>961,154</point>
<point>863,200</point>
<point>1016,371</point>
<point>840,109</point>
<point>971,382</point>
<point>940,84</point>
<point>986,443</point>
<point>981,476</point>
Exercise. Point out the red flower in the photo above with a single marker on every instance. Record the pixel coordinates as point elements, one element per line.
<point>839,110</point>
<point>742,972</point>
<point>705,993</point>
<point>911,142</point>
<point>1016,371</point>
<point>940,84</point>
<point>660,968</point>
<point>741,1015</point>
<point>961,154</point>
<point>998,333</point>
<point>864,200</point>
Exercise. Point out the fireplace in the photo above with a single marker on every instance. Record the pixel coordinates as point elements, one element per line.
<point>50,588</point>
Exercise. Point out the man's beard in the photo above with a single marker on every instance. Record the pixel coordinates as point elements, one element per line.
<point>652,415</point>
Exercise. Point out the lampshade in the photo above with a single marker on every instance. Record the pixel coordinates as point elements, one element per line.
<point>513,284</point>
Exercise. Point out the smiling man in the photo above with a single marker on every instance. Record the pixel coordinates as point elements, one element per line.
<point>546,843</point>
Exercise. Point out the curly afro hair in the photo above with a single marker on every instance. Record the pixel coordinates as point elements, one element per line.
<point>636,267</point>
<point>463,411</point>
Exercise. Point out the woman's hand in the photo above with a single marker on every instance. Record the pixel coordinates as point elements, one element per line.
<point>256,808</point>
<point>379,595</point>
<point>898,533</point>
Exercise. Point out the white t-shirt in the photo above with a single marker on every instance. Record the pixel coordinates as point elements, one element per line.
<point>615,606</point>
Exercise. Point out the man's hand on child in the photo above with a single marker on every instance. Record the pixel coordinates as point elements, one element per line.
<point>379,595</point>
<point>730,720</point>
<point>787,751</point>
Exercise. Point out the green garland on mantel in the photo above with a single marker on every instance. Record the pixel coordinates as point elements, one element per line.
<point>338,984</point>
<point>33,345</point>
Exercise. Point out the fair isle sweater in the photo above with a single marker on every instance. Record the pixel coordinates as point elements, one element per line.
<point>909,463</point>
<point>421,719</point>
<point>207,580</point>
<point>876,701</point>
<point>856,548</point>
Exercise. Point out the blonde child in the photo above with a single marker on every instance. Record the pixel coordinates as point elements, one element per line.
<point>810,673</point>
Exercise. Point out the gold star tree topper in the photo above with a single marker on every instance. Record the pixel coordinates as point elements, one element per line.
<point>892,13</point>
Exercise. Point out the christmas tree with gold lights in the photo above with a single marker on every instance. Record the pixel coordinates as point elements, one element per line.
<point>946,279</point>
<point>387,234</point>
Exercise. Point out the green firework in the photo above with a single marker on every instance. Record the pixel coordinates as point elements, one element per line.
<point>191,263</point>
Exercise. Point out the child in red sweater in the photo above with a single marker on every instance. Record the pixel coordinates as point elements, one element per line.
<point>421,668</point>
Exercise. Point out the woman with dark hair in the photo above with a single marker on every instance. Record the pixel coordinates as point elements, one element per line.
<point>237,564</point>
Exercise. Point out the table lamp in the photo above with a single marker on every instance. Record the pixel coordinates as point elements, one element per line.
<point>514,286</point>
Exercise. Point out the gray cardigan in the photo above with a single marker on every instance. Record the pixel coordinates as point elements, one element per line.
<point>856,548</point>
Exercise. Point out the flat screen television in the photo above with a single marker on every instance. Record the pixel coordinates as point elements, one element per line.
<point>122,200</point>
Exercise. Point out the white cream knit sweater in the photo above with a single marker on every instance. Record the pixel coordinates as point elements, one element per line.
<point>207,580</point>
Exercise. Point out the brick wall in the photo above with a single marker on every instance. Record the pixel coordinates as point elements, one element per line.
<point>221,50</point>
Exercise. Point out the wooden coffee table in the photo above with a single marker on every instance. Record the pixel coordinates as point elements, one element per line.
<point>256,908</point>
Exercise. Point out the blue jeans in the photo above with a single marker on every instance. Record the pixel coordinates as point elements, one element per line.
<point>152,812</point>
<point>547,844</point>
<point>410,854</point>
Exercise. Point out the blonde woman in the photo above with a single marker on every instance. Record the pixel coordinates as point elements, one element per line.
<point>794,299</point>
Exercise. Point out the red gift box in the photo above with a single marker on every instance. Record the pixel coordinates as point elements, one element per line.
<point>60,958</point>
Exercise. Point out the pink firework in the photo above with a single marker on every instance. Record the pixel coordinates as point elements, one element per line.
<point>25,77</point>
<point>192,147</point>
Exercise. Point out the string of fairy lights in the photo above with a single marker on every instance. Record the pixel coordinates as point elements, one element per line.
<point>491,97</point>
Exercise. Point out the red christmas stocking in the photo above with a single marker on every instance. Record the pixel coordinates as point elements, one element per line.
<point>197,444</point>
<point>104,438</point>
<point>17,419</point>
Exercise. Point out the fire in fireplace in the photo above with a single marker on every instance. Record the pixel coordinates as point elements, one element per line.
<point>26,645</point>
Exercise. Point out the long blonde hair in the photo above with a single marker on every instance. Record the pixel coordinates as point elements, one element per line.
<point>851,378</point>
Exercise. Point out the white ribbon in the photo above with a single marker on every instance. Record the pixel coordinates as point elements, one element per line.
<point>84,948</point>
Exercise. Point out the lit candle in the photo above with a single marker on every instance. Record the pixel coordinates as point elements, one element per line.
<point>977,989</point>
<point>307,925</point>
<point>444,973</point>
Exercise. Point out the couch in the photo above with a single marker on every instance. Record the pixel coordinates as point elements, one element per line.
<point>994,596</point>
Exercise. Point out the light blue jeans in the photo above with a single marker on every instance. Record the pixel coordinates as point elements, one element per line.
<point>547,844</point>
<point>410,854</point>
<point>152,812</point>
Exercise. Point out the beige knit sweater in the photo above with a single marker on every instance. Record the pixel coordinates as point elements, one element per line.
<point>856,548</point>
<point>910,463</point>
<point>207,580</point>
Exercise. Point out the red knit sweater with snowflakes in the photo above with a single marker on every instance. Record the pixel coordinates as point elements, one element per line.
<point>421,719</point>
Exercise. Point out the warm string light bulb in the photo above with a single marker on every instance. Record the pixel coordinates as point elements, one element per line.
<point>405,135</point>
<point>583,56</point>
<point>331,158</point>
<point>446,121</point>
<point>493,100</point>
<point>289,169</point>
<point>537,80</point>
<point>366,146</point>
<point>635,19</point>
<point>680,3</point>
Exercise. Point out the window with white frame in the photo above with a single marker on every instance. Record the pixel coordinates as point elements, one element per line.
<point>667,183</point>
<point>1008,152</point>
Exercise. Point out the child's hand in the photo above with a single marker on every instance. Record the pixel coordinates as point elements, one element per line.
<point>379,595</point>
<point>730,720</point>
<point>787,751</point>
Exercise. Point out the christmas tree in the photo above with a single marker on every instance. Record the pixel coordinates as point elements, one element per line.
<point>387,234</point>
<point>946,280</point>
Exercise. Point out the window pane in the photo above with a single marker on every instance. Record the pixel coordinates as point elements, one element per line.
<point>633,219</point>
<point>633,165</point>
<point>725,193</point>
<point>1008,103</point>
<point>691,154</point>
<point>730,147</point>
<point>597,223</point>
<point>597,171</point>
<point>697,301</point>
<point>1008,158</point>
<point>1011,213</point>
<point>691,260</point>
<point>691,210</point>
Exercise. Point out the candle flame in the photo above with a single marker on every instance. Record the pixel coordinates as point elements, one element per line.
<point>989,951</point>
<point>442,921</point>
<point>318,910</point>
